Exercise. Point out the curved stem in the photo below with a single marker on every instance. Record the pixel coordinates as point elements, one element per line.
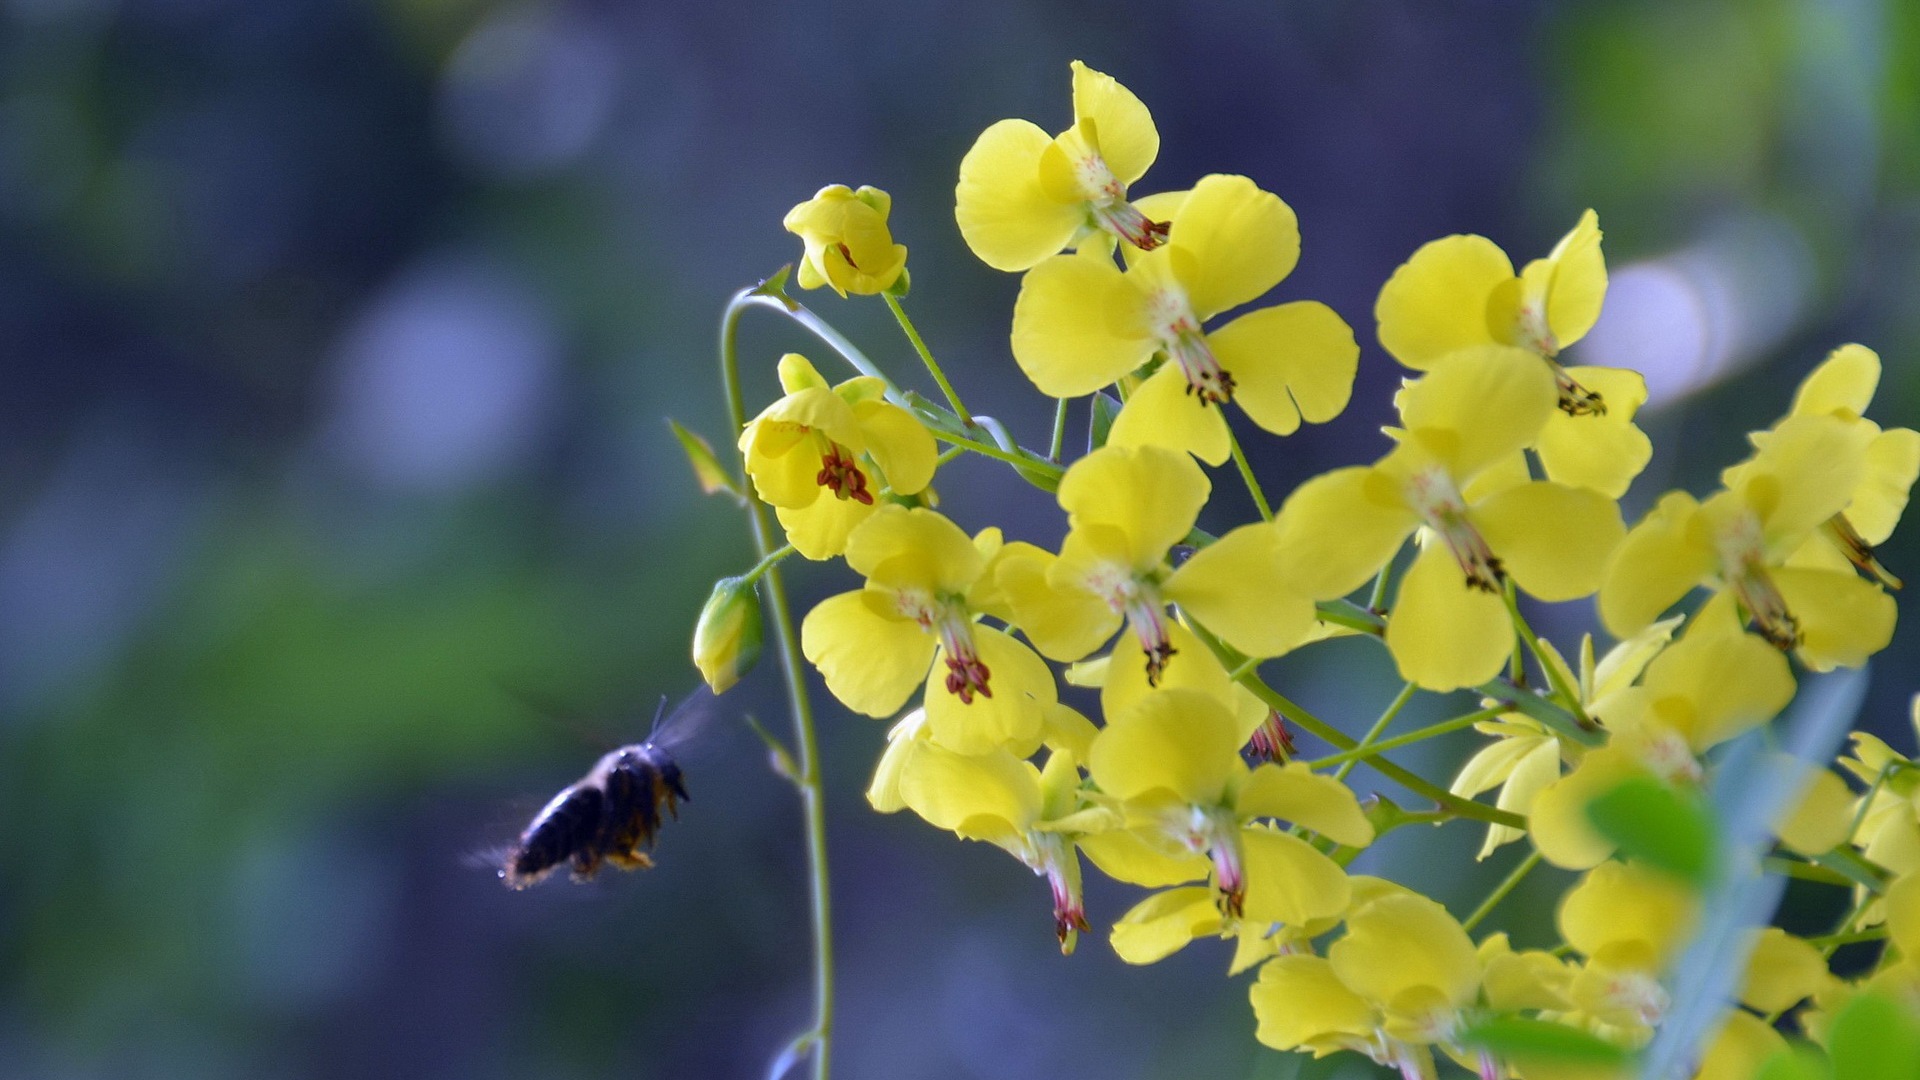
<point>807,774</point>
<point>1569,697</point>
<point>1246,474</point>
<point>1445,727</point>
<point>766,563</point>
<point>1501,890</point>
<point>926,357</point>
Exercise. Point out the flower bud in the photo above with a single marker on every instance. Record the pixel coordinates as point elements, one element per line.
<point>848,245</point>
<point>726,641</point>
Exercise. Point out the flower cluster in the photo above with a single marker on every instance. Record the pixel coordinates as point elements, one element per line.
<point>1500,482</point>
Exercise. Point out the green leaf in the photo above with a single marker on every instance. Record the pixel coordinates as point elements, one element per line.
<point>1660,826</point>
<point>706,467</point>
<point>1105,408</point>
<point>1874,1038</point>
<point>1534,1042</point>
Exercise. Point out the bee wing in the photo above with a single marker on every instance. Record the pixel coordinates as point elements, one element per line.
<point>672,731</point>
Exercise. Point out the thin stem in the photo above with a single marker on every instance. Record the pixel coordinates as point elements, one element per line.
<point>1059,441</point>
<point>1805,871</point>
<point>818,327</point>
<point>926,357</point>
<point>771,560</point>
<point>1431,731</point>
<point>1373,733</point>
<point>1501,890</point>
<point>1832,942</point>
<point>1544,710</point>
<point>807,776</point>
<point>1569,697</point>
<point>1246,474</point>
<point>1377,602</point>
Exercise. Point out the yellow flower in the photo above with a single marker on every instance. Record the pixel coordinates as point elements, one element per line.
<point>818,441</point>
<point>1526,756</point>
<point>1449,627</point>
<point>1627,922</point>
<point>1738,542</point>
<point>1127,507</point>
<point>1081,323</point>
<point>1889,814</point>
<point>1842,387</point>
<point>847,243</point>
<point>1460,292</point>
<point>1191,804</point>
<point>1024,195</point>
<point>927,583</point>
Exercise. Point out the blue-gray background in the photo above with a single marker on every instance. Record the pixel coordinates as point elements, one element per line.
<point>338,340</point>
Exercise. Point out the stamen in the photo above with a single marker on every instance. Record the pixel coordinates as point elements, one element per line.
<point>1858,551</point>
<point>1149,623</point>
<point>1271,741</point>
<point>1124,221</point>
<point>1575,400</point>
<point>840,474</point>
<point>966,674</point>
<point>1205,377</point>
<point>1444,510</point>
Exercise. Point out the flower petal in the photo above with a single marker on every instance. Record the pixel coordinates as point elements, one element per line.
<point>1893,462</point>
<point>1338,529</point>
<point>1063,623</point>
<point>1234,587</point>
<point>993,796</point>
<point>1125,855</point>
<point>1074,325</point>
<point>1290,361</point>
<point>1164,923</point>
<point>1014,716</point>
<point>1480,406</point>
<point>1122,126</point>
<point>1151,495</point>
<point>871,663</point>
<point>1558,821</point>
<point>1843,619</point>
<point>1578,284</point>
<point>1445,634</point>
<point>1435,304</point>
<point>901,445</point>
<point>1299,1003</point>
<point>1606,452</point>
<point>1552,538</point>
<point>1230,243</point>
<point>1297,794</point>
<point>820,530</point>
<point>1005,215</point>
<point>1659,561</point>
<point>1178,740</point>
<point>1402,944</point>
<point>1843,383</point>
<point>1289,881</point>
<point>1164,413</point>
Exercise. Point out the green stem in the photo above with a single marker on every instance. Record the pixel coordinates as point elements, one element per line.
<point>926,357</point>
<point>771,560</point>
<point>1501,890</point>
<point>767,296</point>
<point>1059,441</point>
<point>1539,708</point>
<point>807,775</point>
<point>1445,727</point>
<point>1367,741</point>
<point>1377,602</point>
<point>1832,942</point>
<point>1569,697</point>
<point>1804,871</point>
<point>1350,615</point>
<point>1246,474</point>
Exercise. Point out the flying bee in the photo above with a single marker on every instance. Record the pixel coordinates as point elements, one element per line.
<point>612,814</point>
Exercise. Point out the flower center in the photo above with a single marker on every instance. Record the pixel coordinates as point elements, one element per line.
<point>1743,561</point>
<point>1442,508</point>
<point>1179,332</point>
<point>840,474</point>
<point>1050,853</point>
<point>952,622</point>
<point>1216,833</point>
<point>1270,741</point>
<point>1139,602</point>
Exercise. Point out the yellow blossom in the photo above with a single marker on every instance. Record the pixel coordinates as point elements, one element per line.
<point>847,243</point>
<point>820,455</point>
<point>1024,195</point>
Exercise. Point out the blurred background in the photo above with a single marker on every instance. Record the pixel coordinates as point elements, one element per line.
<point>340,524</point>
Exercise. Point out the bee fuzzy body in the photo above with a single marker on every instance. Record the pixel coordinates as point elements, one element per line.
<point>609,816</point>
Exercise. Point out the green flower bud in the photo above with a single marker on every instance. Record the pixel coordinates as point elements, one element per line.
<point>726,641</point>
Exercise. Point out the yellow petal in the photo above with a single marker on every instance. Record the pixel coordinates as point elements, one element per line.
<point>1128,141</point>
<point>1297,794</point>
<point>1660,560</point>
<point>1843,383</point>
<point>1013,717</point>
<point>1445,634</point>
<point>1230,243</point>
<point>1539,768</point>
<point>1289,881</point>
<point>1005,215</point>
<point>1290,362</point>
<point>1552,538</point>
<point>1558,821</point>
<point>1402,944</point>
<point>1151,495</point>
<point>1235,588</point>
<point>1902,902</point>
<point>1782,970</point>
<point>905,740</point>
<point>943,559</point>
<point>1804,473</point>
<point>820,529</point>
<point>1621,904</point>
<point>1821,818</point>
<point>1067,732</point>
<point>1164,923</point>
<point>1177,740</point>
<point>872,664</point>
<point>1893,462</point>
<point>1843,618</point>
<point>1063,623</point>
<point>1742,1046</point>
<point>1435,304</point>
<point>1338,529</point>
<point>1163,413</point>
<point>1479,407</point>
<point>1578,284</point>
<point>993,796</point>
<point>900,445</point>
<point>1126,855</point>
<point>1714,685</point>
<point>1192,667</point>
<point>1067,322</point>
<point>1299,1002</point>
<point>1606,452</point>
<point>797,373</point>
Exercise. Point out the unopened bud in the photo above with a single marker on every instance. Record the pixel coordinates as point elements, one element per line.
<point>726,641</point>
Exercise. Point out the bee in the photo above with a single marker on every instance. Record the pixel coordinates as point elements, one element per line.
<point>610,815</point>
